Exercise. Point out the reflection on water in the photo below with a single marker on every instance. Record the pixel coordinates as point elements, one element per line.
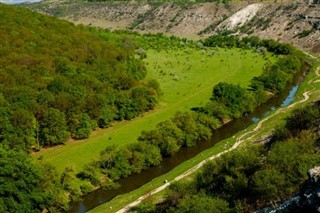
<point>285,103</point>
<point>290,97</point>
<point>255,120</point>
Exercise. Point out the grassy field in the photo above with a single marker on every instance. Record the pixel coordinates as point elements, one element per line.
<point>122,200</point>
<point>186,76</point>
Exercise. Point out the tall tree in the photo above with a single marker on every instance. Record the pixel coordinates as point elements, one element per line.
<point>53,128</point>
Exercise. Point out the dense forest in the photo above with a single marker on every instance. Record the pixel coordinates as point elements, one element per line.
<point>252,176</point>
<point>59,81</point>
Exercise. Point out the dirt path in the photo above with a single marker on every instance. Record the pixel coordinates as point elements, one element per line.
<point>239,141</point>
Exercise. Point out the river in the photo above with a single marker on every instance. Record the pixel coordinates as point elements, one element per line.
<point>135,181</point>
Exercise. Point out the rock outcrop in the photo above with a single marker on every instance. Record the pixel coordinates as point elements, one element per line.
<point>310,195</point>
<point>240,18</point>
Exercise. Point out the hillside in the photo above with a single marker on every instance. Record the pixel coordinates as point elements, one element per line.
<point>59,81</point>
<point>295,22</point>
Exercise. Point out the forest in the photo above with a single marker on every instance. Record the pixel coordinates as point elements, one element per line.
<point>59,81</point>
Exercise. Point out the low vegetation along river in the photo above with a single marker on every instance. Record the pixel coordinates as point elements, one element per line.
<point>133,182</point>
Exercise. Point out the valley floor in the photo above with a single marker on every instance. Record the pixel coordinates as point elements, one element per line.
<point>186,76</point>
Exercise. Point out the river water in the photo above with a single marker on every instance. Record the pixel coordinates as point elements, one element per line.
<point>133,182</point>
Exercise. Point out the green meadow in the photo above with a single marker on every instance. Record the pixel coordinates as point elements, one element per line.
<point>186,78</point>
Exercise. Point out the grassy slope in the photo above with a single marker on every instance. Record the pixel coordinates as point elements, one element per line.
<point>193,75</point>
<point>122,200</point>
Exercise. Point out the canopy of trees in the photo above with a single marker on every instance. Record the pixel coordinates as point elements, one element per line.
<point>26,187</point>
<point>58,80</point>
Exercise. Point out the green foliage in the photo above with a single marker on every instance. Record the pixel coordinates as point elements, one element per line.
<point>167,136</point>
<point>179,191</point>
<point>202,204</point>
<point>53,128</point>
<point>150,154</point>
<point>117,163</point>
<point>26,187</point>
<point>236,99</point>
<point>167,58</point>
<point>215,109</point>
<point>107,115</point>
<point>80,126</point>
<point>63,80</point>
<point>195,127</point>
<point>20,183</point>
<point>254,176</point>
<point>57,197</point>
<point>269,183</point>
<point>303,119</point>
<point>184,129</point>
<point>67,177</point>
<point>273,80</point>
<point>17,129</point>
<point>294,157</point>
<point>90,172</point>
<point>228,177</point>
<point>275,76</point>
<point>49,64</point>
